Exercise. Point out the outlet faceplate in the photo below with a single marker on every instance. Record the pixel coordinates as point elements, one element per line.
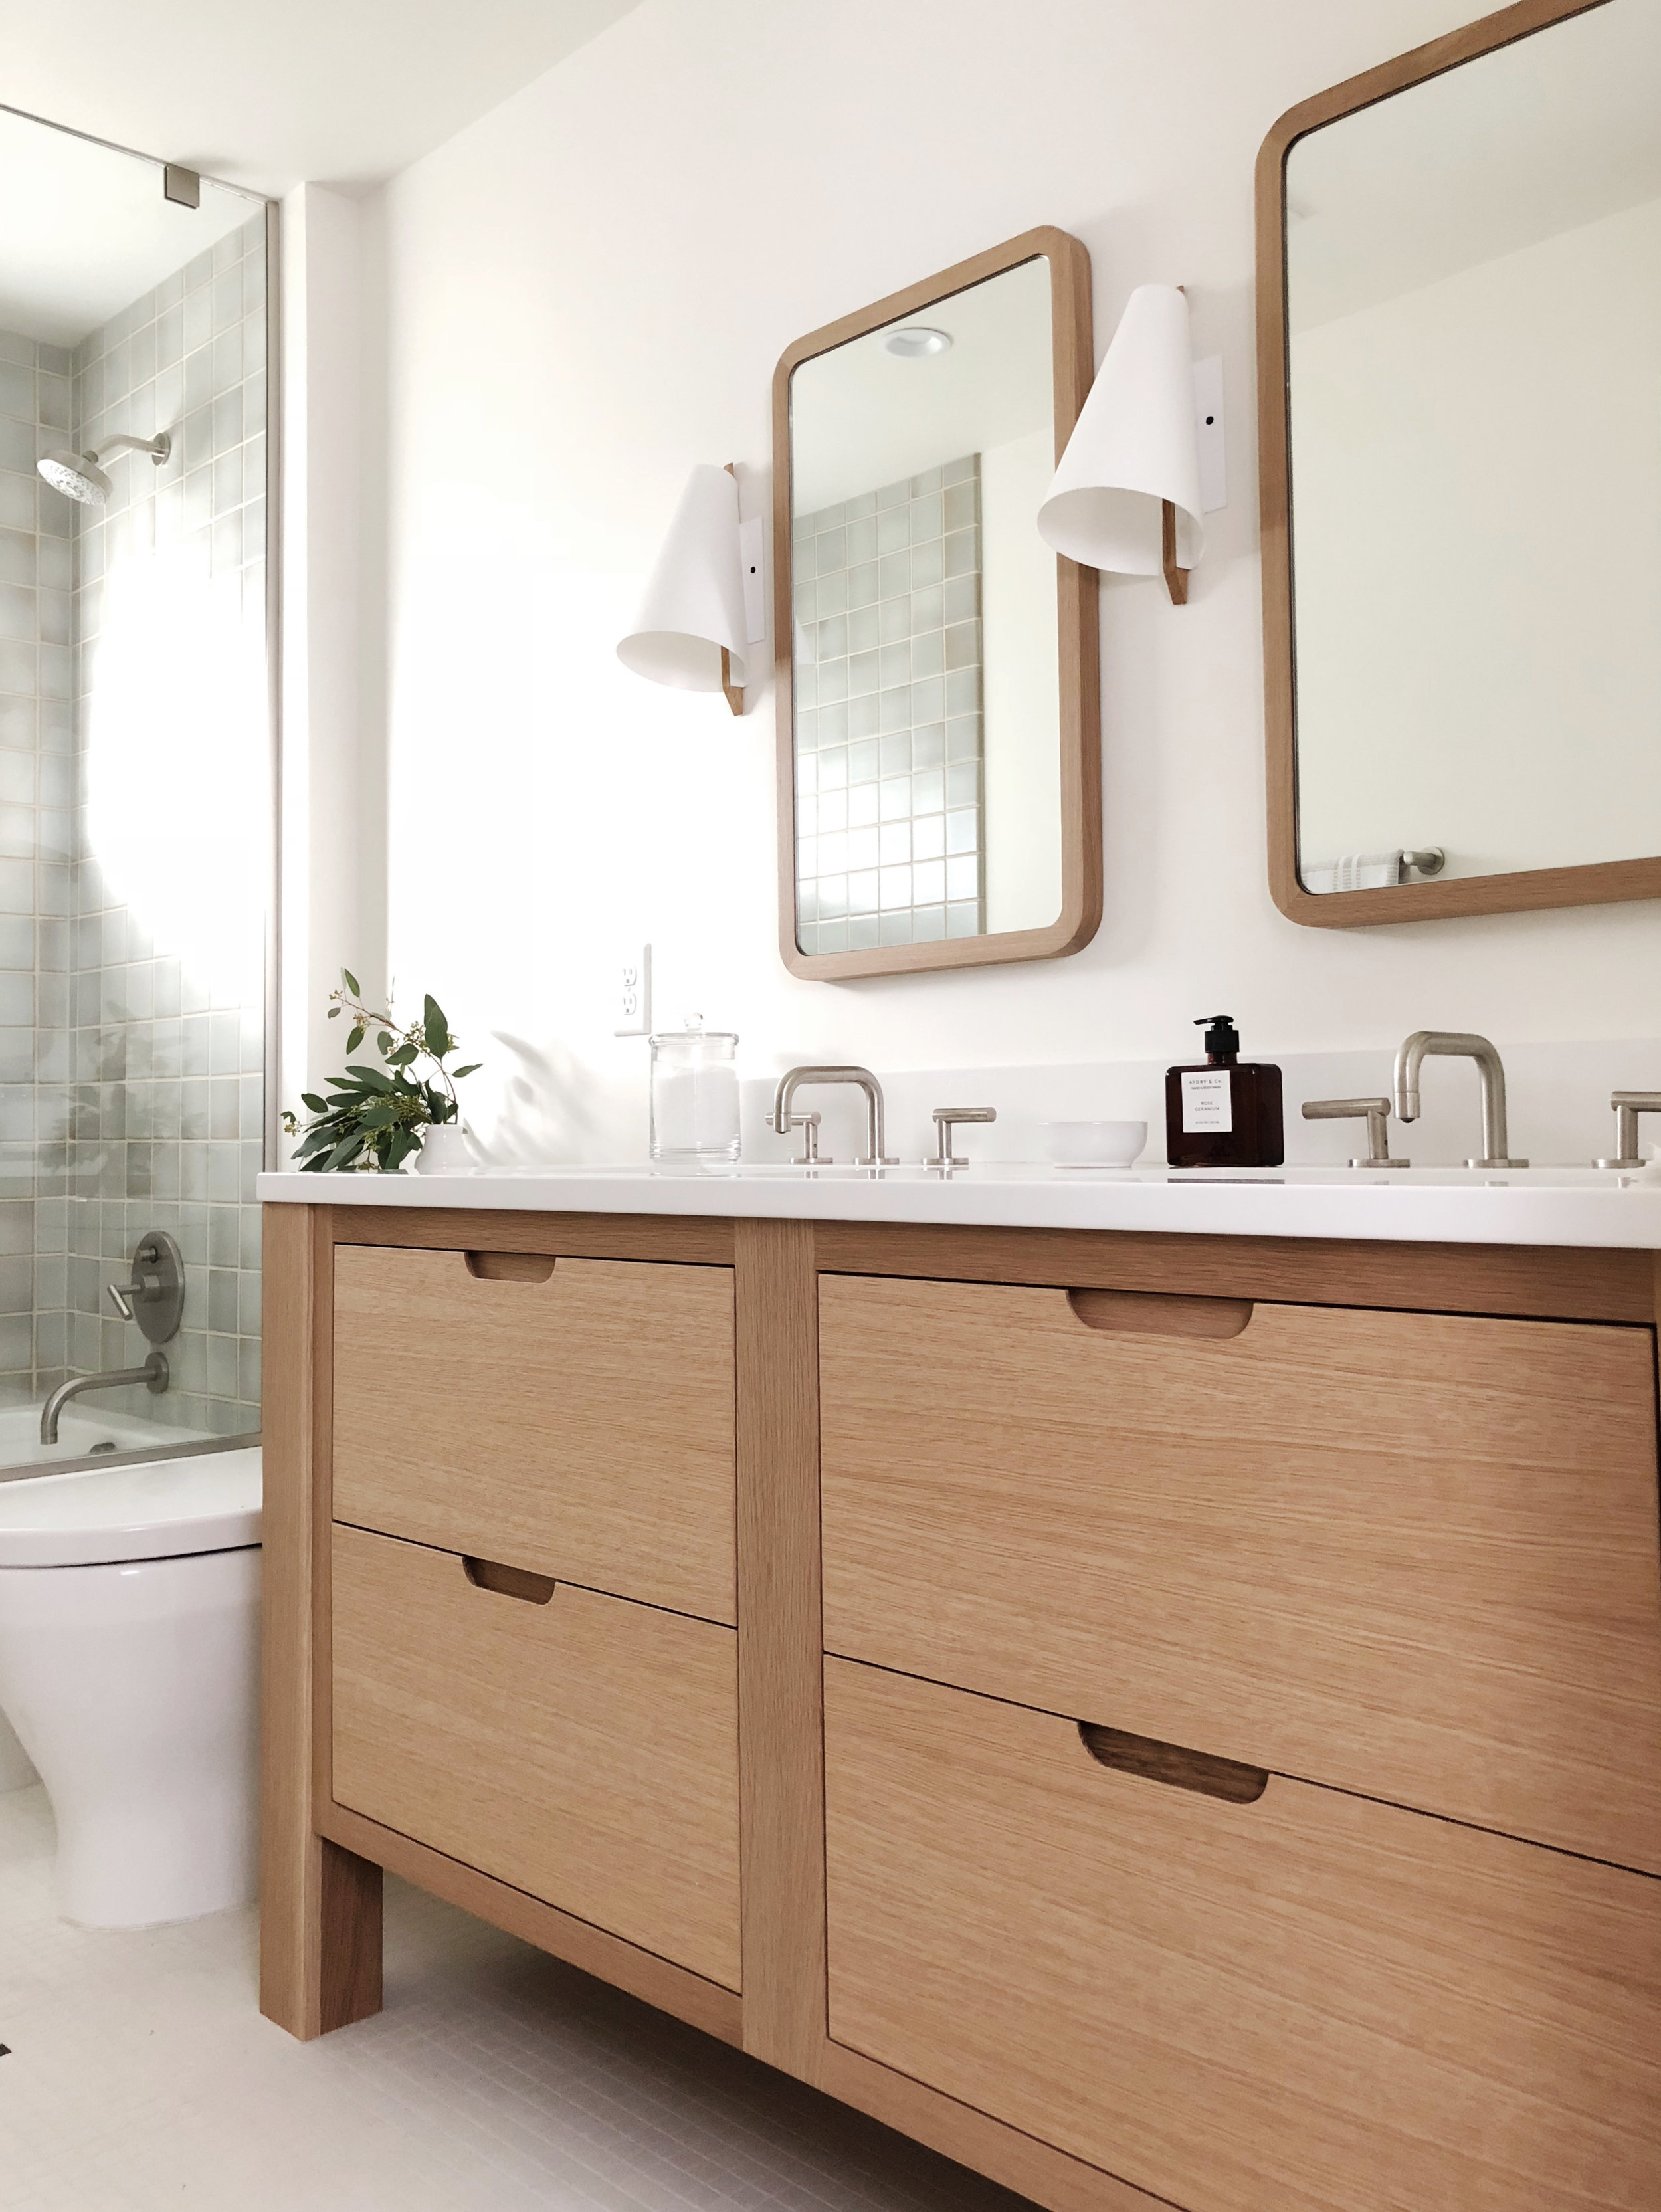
<point>632,991</point>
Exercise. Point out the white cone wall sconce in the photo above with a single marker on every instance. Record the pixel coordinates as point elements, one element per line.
<point>703,606</point>
<point>1145,463</point>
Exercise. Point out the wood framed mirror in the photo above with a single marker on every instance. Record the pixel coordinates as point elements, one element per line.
<point>1459,343</point>
<point>939,733</point>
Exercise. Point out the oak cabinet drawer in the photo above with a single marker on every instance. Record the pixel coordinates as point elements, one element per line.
<point>1415,1555</point>
<point>581,1425</point>
<point>1307,2001</point>
<point>583,1748</point>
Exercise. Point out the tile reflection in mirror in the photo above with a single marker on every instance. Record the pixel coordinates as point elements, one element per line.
<point>926,618</point>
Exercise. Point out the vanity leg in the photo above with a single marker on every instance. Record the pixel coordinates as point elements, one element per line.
<point>781,1639</point>
<point>319,1905</point>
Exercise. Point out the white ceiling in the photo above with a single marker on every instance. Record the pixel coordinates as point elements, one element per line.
<point>269,93</point>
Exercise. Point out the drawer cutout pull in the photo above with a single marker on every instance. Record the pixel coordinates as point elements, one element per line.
<point>1170,1763</point>
<point>510,1267</point>
<point>1155,1312</point>
<point>509,1581</point>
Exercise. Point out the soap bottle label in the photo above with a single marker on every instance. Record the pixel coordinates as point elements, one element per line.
<point>1207,1103</point>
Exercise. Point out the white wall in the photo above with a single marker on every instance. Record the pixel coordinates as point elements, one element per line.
<point>588,290</point>
<point>333,759</point>
<point>1020,685</point>
<point>1479,558</point>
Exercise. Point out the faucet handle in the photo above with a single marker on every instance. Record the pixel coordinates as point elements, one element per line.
<point>1377,1114</point>
<point>808,1125</point>
<point>1629,1105</point>
<point>946,1119</point>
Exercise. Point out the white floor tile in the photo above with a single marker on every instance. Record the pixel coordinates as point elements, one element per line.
<point>141,2075</point>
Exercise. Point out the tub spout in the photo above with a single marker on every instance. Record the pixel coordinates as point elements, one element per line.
<point>154,1372</point>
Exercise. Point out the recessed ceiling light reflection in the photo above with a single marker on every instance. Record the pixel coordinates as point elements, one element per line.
<point>917,343</point>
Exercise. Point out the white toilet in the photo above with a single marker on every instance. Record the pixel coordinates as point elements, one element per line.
<point>129,1671</point>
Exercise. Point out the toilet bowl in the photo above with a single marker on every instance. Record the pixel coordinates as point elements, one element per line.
<point>129,1671</point>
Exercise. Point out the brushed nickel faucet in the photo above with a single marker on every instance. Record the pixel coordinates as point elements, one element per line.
<point>154,1372</point>
<point>947,1118</point>
<point>1629,1105</point>
<point>1458,1044</point>
<point>783,1120</point>
<point>1377,1114</point>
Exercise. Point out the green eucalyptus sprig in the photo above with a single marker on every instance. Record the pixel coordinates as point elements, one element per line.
<point>380,1112</point>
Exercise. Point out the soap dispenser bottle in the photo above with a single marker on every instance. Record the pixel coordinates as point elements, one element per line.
<point>1225,1114</point>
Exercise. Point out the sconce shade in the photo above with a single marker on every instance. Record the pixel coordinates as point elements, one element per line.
<point>692,607</point>
<point>1133,448</point>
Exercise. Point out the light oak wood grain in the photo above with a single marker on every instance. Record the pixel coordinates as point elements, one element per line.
<point>703,2004</point>
<point>779,1644</point>
<point>676,1237</point>
<point>320,1905</point>
<point>1077,597</point>
<point>586,1751</point>
<point>1523,890</point>
<point>1412,1555</point>
<point>1312,2002</point>
<point>1004,2154</point>
<point>1556,1283</point>
<point>580,1427</point>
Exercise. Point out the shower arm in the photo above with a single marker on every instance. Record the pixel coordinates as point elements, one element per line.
<point>123,441</point>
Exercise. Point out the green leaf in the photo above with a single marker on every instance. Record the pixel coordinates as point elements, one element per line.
<point>384,1042</point>
<point>334,1013</point>
<point>400,1148</point>
<point>351,982</point>
<point>310,1099</point>
<point>472,1068</point>
<point>356,1037</point>
<point>401,1057</point>
<point>370,1078</point>
<point>347,1150</point>
<point>435,1029</point>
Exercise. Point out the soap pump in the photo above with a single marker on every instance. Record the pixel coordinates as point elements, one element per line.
<point>1227,1113</point>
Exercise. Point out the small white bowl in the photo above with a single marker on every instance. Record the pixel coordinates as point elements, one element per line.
<point>1094,1144</point>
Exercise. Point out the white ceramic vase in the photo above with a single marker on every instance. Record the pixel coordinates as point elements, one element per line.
<point>446,1149</point>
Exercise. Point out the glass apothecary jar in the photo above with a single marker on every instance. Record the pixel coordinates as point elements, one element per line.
<point>695,1093</point>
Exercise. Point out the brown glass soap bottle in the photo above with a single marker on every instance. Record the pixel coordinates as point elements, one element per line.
<point>1224,1113</point>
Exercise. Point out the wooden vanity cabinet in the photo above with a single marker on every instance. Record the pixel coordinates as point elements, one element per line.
<point>1409,1554</point>
<point>582,1748</point>
<point>1307,2000</point>
<point>570,1415</point>
<point>1165,1720</point>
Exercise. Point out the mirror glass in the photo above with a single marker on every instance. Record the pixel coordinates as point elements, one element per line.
<point>925,661</point>
<point>1474,337</point>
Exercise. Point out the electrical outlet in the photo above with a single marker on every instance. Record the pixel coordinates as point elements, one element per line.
<point>632,992</point>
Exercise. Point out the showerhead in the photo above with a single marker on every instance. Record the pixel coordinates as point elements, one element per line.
<point>79,476</point>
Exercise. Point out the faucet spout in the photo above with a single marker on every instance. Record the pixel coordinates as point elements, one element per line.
<point>154,1372</point>
<point>877,1154</point>
<point>1458,1044</point>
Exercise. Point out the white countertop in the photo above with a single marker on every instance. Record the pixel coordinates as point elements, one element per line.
<point>1535,1206</point>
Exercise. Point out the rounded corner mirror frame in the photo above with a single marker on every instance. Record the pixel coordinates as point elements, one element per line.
<point>1072,338</point>
<point>1525,891</point>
